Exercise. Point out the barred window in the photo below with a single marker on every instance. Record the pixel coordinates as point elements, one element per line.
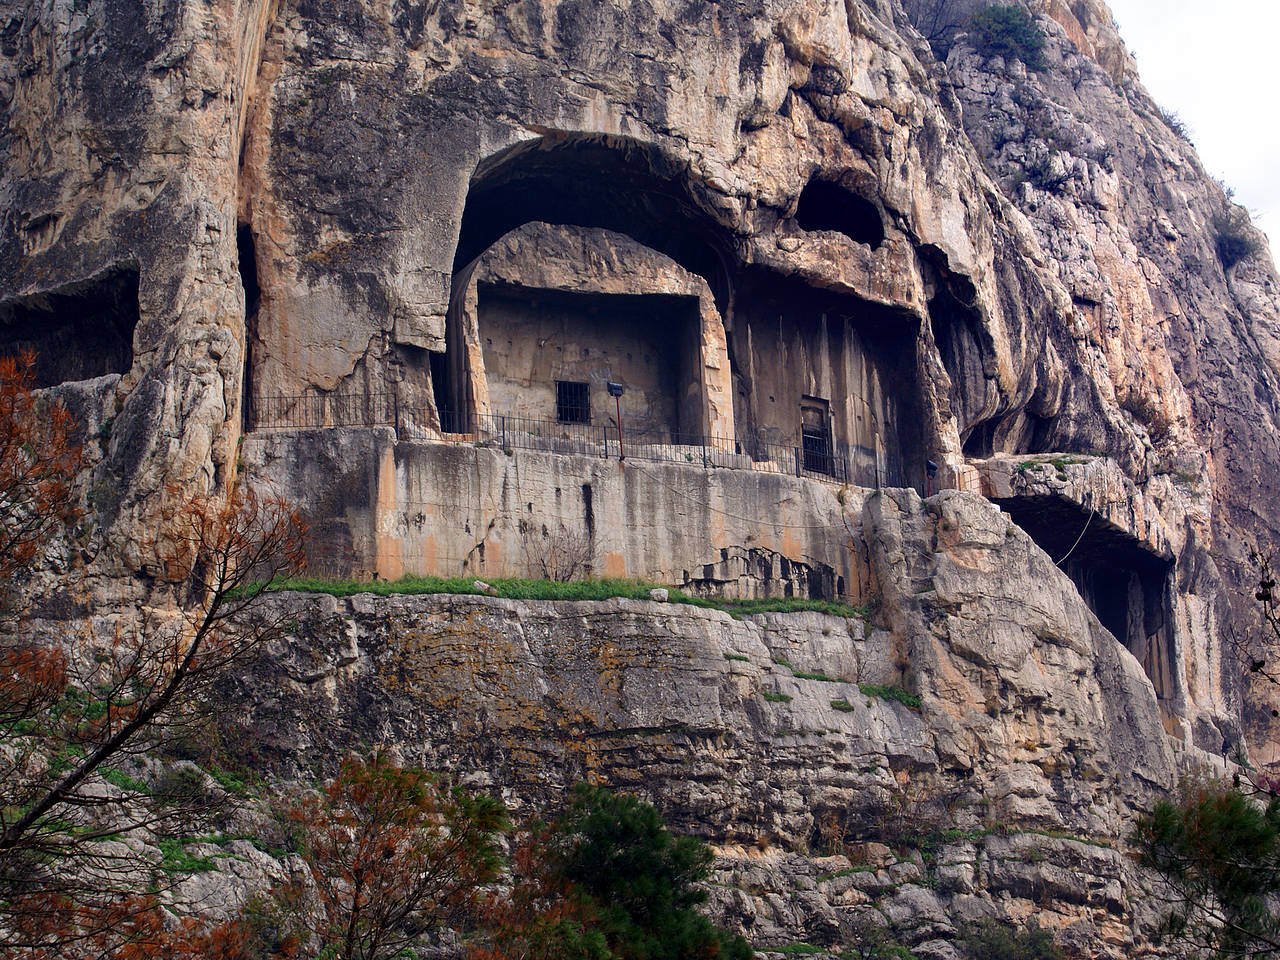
<point>573,402</point>
<point>815,435</point>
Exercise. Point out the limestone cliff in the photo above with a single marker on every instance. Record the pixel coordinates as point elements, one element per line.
<point>1035,736</point>
<point>279,237</point>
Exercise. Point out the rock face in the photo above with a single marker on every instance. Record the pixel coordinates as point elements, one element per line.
<point>1034,736</point>
<point>1008,261</point>
<point>277,239</point>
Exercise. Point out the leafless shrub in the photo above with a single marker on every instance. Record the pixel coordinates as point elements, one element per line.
<point>556,554</point>
<point>1147,413</point>
<point>1235,238</point>
<point>1175,123</point>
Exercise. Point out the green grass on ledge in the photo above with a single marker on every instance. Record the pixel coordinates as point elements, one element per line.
<point>558,590</point>
<point>890,693</point>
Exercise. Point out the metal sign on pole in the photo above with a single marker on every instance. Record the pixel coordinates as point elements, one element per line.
<point>616,390</point>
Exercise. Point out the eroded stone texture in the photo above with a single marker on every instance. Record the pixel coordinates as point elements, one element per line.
<point>394,507</point>
<point>610,268</point>
<point>1125,212</point>
<point>1024,262</point>
<point>1037,731</point>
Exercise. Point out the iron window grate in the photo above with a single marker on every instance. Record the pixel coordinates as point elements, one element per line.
<point>573,402</point>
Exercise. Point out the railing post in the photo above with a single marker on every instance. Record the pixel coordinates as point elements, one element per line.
<point>502,429</point>
<point>704,451</point>
<point>797,453</point>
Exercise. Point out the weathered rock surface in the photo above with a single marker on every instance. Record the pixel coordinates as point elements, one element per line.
<point>1045,238</point>
<point>1036,737</point>
<point>305,193</point>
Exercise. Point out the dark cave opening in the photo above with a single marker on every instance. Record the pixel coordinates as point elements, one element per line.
<point>615,183</point>
<point>247,257</point>
<point>1125,585</point>
<point>247,263</point>
<point>981,442</point>
<point>956,330</point>
<point>610,182</point>
<point>854,359</point>
<point>605,182</point>
<point>451,413</point>
<point>825,205</point>
<point>77,332</point>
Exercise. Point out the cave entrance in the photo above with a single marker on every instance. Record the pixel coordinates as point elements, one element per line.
<point>1128,588</point>
<point>532,337</point>
<point>986,424</point>
<point>826,205</point>
<point>956,332</point>
<point>549,355</point>
<point>745,369</point>
<point>77,332</point>
<point>247,262</point>
<point>609,182</point>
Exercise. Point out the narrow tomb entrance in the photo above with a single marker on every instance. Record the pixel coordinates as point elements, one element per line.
<point>830,377</point>
<point>247,260</point>
<point>549,355</point>
<point>1126,585</point>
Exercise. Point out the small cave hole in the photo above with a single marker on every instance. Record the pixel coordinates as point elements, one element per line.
<point>451,419</point>
<point>825,205</point>
<point>77,332</point>
<point>588,511</point>
<point>248,263</point>
<point>980,443</point>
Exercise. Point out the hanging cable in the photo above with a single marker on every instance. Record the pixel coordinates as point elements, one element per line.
<point>1088,520</point>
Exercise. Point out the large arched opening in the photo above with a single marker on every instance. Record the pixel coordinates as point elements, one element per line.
<point>538,351</point>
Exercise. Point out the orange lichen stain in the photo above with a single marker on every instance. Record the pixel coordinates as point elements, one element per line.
<point>791,544</point>
<point>388,546</point>
<point>495,560</point>
<point>615,565</point>
<point>427,559</point>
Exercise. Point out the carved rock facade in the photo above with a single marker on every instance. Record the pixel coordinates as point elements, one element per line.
<point>355,251</point>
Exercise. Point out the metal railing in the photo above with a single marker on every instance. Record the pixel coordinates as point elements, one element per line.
<point>318,410</point>
<point>841,463</point>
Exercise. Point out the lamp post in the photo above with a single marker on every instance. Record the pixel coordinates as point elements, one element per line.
<point>616,390</point>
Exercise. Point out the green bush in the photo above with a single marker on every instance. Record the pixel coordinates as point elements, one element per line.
<point>1009,32</point>
<point>1234,238</point>
<point>176,859</point>
<point>641,878</point>
<point>1175,123</point>
<point>890,693</point>
<point>1218,850</point>
<point>995,941</point>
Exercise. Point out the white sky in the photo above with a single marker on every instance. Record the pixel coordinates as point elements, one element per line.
<point>1215,63</point>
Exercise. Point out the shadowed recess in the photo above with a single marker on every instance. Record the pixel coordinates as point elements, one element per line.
<point>536,342</point>
<point>247,261</point>
<point>610,182</point>
<point>1125,585</point>
<point>77,332</point>
<point>825,205</point>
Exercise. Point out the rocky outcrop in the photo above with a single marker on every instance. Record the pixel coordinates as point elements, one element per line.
<point>1043,242</point>
<point>1025,274</point>
<point>1183,343</point>
<point>998,785</point>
